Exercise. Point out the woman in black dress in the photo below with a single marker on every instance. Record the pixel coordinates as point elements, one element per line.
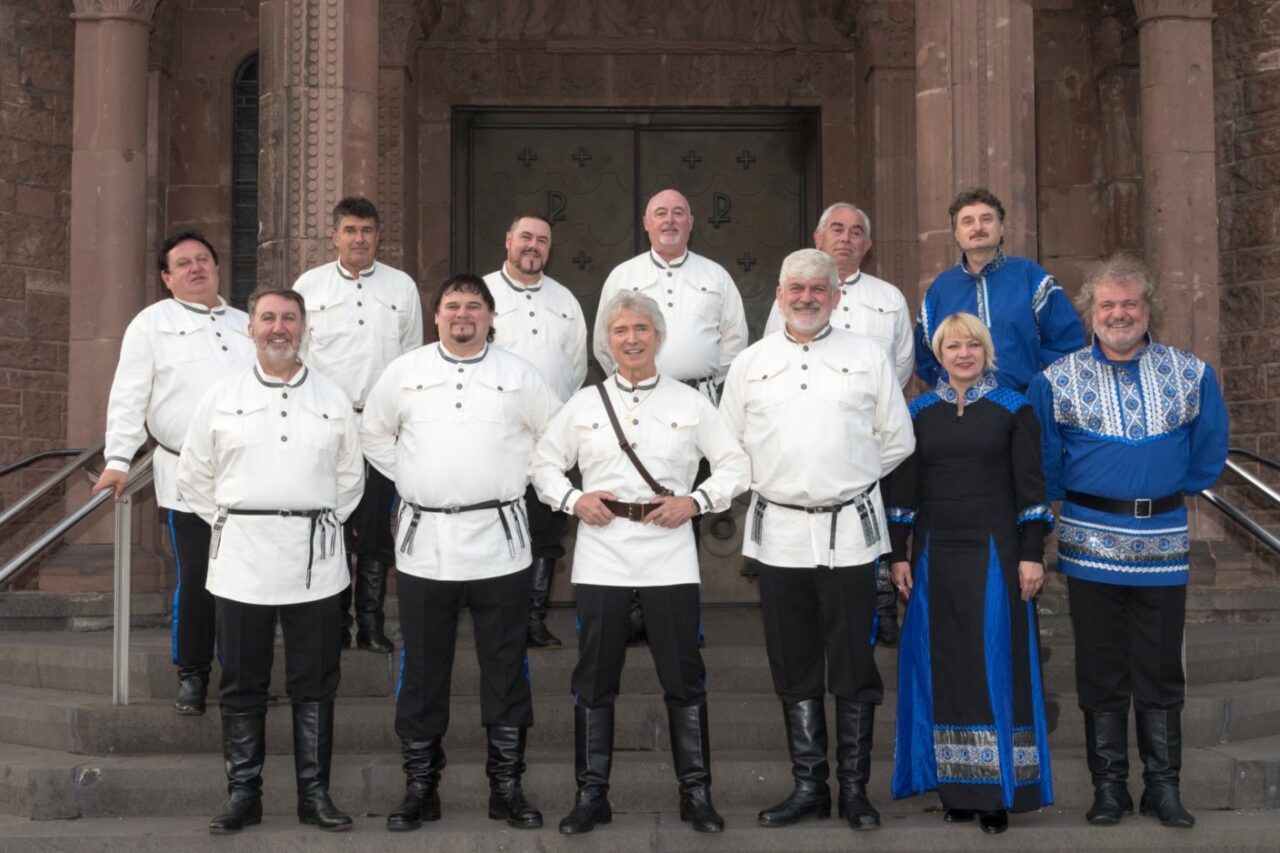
<point>970,721</point>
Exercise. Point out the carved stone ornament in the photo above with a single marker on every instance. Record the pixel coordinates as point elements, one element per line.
<point>127,10</point>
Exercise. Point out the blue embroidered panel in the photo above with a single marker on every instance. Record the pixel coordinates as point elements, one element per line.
<point>1106,400</point>
<point>970,755</point>
<point>1046,286</point>
<point>1116,549</point>
<point>1010,399</point>
<point>1039,512</point>
<point>924,401</point>
<point>901,515</point>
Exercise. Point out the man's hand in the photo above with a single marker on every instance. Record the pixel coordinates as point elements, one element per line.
<point>590,509</point>
<point>1030,578</point>
<point>111,479</point>
<point>672,511</point>
<point>901,574</point>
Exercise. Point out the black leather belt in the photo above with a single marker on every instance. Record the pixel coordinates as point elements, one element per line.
<point>629,511</point>
<point>514,505</point>
<point>1136,508</point>
<point>168,449</point>
<point>323,519</point>
<point>866,514</point>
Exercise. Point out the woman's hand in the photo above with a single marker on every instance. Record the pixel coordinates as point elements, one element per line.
<point>901,574</point>
<point>1030,578</point>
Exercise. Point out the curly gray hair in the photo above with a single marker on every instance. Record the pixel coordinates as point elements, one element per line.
<point>630,300</point>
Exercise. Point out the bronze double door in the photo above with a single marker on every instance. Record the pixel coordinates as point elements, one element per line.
<point>751,177</point>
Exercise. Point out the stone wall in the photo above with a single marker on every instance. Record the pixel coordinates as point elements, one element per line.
<point>36,46</point>
<point>1247,115</point>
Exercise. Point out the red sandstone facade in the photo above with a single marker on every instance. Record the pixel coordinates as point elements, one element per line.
<point>1151,125</point>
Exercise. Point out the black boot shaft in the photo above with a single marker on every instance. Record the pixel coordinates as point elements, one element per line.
<point>370,596</point>
<point>423,761</point>
<point>1106,737</point>
<point>855,723</point>
<point>691,754</point>
<point>312,754</point>
<point>244,750</point>
<point>593,762</point>
<point>541,576</point>
<point>806,725</point>
<point>505,768</point>
<point>1160,745</point>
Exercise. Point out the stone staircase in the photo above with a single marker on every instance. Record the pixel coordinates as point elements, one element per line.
<point>77,773</point>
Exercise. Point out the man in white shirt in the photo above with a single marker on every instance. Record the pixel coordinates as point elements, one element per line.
<point>541,321</point>
<point>822,416</point>
<point>453,426</point>
<point>874,308</point>
<point>706,323</point>
<point>363,315</point>
<point>272,462</point>
<point>637,538</point>
<point>170,354</point>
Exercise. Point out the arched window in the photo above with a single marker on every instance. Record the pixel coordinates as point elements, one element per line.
<point>244,182</point>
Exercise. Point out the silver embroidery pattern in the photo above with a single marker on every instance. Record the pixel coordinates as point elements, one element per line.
<point>1046,286</point>
<point>984,304</point>
<point>966,754</point>
<point>1093,396</point>
<point>1026,757</point>
<point>1100,546</point>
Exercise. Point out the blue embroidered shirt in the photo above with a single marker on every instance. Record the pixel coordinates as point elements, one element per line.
<point>1031,320</point>
<point>1144,428</point>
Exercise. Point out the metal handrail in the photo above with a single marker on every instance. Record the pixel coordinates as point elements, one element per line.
<point>36,457</point>
<point>1256,457</point>
<point>1237,515</point>
<point>51,482</point>
<point>1254,481</point>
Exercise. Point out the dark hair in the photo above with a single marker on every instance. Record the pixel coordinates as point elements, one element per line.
<point>357,206</point>
<point>465,282</point>
<point>285,292</point>
<point>538,216</point>
<point>180,237</point>
<point>977,195</point>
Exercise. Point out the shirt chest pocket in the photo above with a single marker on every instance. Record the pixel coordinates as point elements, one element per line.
<point>388,314</point>
<point>596,439</point>
<point>424,402</point>
<point>325,320</point>
<point>317,427</point>
<point>844,382</point>
<point>768,385</point>
<point>670,436</point>
<point>181,345</point>
<point>878,321</point>
<point>495,401</point>
<point>702,299</point>
<point>239,424</point>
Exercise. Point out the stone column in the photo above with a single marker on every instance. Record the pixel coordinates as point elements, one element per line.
<point>109,249</point>
<point>1180,209</point>
<point>887,131</point>
<point>975,119</point>
<point>397,196</point>
<point>317,125</point>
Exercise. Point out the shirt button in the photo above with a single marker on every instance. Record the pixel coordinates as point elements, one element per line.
<point>846,307</point>
<point>457,405</point>
<point>671,305</point>
<point>359,286</point>
<point>670,273</point>
<point>533,314</point>
<point>528,296</point>
<point>535,331</point>
<point>219,334</point>
<point>284,414</point>
<point>361,322</point>
<point>419,387</point>
<point>284,394</point>
<point>393,307</point>
<point>673,425</point>
<point>704,290</point>
<point>284,438</point>
<point>239,411</point>
<point>359,304</point>
<point>670,291</point>
<point>635,422</point>
<point>326,417</point>
<point>459,369</point>
<point>635,399</point>
<point>459,386</point>
<point>635,288</point>
<point>844,370</point>
<point>805,348</point>
<point>499,387</point>
<point>804,367</point>
<point>595,426</point>
<point>181,333</point>
<point>224,348</point>
<point>804,387</point>
<point>764,376</point>
<point>634,445</point>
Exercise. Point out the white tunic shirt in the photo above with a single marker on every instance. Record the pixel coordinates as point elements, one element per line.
<point>171,352</point>
<point>256,442</point>
<point>706,324</point>
<point>822,423</point>
<point>455,432</point>
<point>355,328</point>
<point>671,427</point>
<point>543,324</point>
<point>872,307</point>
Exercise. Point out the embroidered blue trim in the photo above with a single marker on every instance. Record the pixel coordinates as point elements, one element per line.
<point>901,515</point>
<point>1039,512</point>
<point>984,386</point>
<point>1042,292</point>
<point>924,401</point>
<point>1008,398</point>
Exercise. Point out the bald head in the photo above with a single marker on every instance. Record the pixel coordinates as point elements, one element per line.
<point>668,222</point>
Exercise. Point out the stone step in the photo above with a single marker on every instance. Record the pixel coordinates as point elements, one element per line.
<point>734,657</point>
<point>48,785</point>
<point>914,826</point>
<point>51,719</point>
<point>29,610</point>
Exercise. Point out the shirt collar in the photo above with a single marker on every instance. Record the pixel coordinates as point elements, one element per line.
<point>852,280</point>
<point>363,273</point>
<point>197,308</point>
<point>663,265</point>
<point>985,385</point>
<point>519,288</point>
<point>642,385</point>
<point>824,333</point>
<point>992,265</point>
<point>452,359</point>
<point>1099,355</point>
<point>272,382</point>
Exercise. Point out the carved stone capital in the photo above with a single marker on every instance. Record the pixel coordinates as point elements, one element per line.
<point>399,32</point>
<point>138,11</point>
<point>1179,10</point>
<point>885,33</point>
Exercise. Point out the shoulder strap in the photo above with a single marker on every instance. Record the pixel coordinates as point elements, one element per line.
<point>658,488</point>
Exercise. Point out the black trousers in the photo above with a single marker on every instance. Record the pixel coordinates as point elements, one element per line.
<point>816,615</point>
<point>1128,642</point>
<point>194,617</point>
<point>368,530</point>
<point>546,527</point>
<point>312,652</point>
<point>429,624</point>
<point>671,616</point>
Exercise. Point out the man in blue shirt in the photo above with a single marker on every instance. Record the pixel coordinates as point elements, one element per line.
<point>1129,427</point>
<point>1030,318</point>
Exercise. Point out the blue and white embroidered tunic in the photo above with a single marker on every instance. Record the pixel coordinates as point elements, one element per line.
<point>1031,319</point>
<point>970,721</point>
<point>1145,428</point>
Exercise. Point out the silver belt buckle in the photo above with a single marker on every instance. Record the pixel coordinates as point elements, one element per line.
<point>1142,508</point>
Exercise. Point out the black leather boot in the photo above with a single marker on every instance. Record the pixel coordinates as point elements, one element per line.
<point>348,622</point>
<point>504,769</point>
<point>423,761</point>
<point>807,743</point>
<point>636,635</point>
<point>1106,736</point>
<point>541,574</point>
<point>244,748</point>
<point>1160,745</point>
<point>886,607</point>
<point>691,754</point>
<point>592,760</point>
<point>312,752</point>
<point>371,592</point>
<point>853,762</point>
<point>193,685</point>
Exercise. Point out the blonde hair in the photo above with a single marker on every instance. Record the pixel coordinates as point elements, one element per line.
<point>964,325</point>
